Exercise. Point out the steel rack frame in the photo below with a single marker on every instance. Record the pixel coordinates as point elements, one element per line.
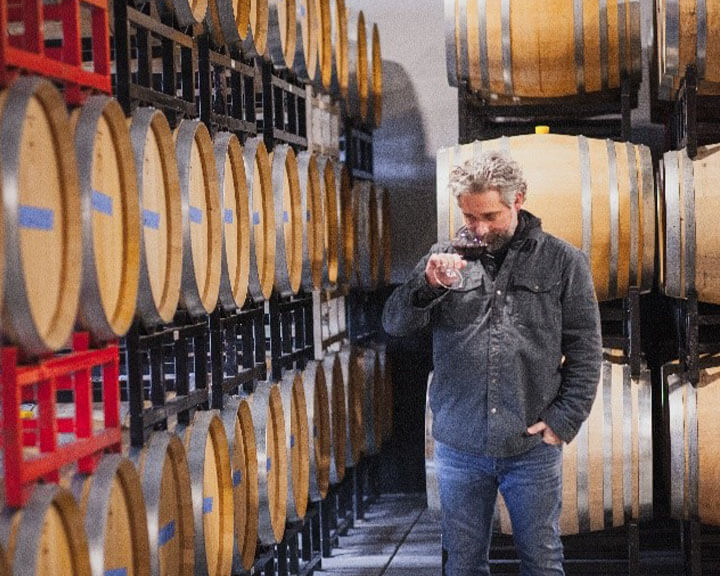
<point>142,347</point>
<point>356,149</point>
<point>298,554</point>
<point>281,107</point>
<point>147,36</point>
<point>290,334</point>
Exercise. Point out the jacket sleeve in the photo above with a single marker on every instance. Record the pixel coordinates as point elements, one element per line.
<point>410,306</point>
<point>582,349</point>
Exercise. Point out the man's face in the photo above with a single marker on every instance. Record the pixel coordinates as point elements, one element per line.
<point>489,218</point>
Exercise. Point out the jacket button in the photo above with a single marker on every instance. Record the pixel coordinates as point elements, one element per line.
<point>493,410</point>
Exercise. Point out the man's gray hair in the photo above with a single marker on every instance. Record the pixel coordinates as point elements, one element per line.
<point>492,170</point>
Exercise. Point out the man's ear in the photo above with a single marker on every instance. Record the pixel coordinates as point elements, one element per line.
<point>519,200</point>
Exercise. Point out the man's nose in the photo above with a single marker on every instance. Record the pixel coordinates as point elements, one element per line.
<point>481,229</point>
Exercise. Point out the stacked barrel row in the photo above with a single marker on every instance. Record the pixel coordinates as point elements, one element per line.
<point>324,42</point>
<point>509,51</point>
<point>127,218</point>
<point>200,498</point>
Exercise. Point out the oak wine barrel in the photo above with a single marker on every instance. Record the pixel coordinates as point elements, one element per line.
<point>338,416</point>
<point>165,477</point>
<point>288,220</point>
<point>509,51</point>
<point>325,48</point>
<point>187,12</point>
<point>297,444</point>
<point>238,421</point>
<point>113,508</point>
<point>272,465</point>
<point>202,224</point>
<point>346,225</point>
<point>687,33</point>
<point>366,259</point>
<point>212,494</point>
<point>47,536</point>
<point>158,185</point>
<point>306,52</point>
<point>228,21</point>
<point>262,218</point>
<point>596,194</point>
<point>110,218</point>
<point>331,218</point>
<point>358,85</point>
<point>372,402</point>
<point>689,242</point>
<point>255,41</point>
<point>319,427</point>
<point>353,372</point>
<point>312,213</point>
<point>235,254</point>
<point>376,80</point>
<point>607,468</point>
<point>387,409</point>
<point>694,431</point>
<point>340,71</point>
<point>385,232</point>
<point>282,33</point>
<point>41,217</point>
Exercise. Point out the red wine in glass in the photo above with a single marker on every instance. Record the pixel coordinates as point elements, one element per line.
<point>468,245</point>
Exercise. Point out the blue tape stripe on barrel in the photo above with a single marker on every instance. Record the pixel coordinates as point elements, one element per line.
<point>102,203</point>
<point>237,477</point>
<point>292,440</point>
<point>314,431</point>
<point>195,215</point>
<point>151,219</point>
<point>286,218</point>
<point>256,218</point>
<point>36,218</point>
<point>116,572</point>
<point>228,217</point>
<point>302,11</point>
<point>267,464</point>
<point>166,533</point>
<point>308,216</point>
<point>207,505</point>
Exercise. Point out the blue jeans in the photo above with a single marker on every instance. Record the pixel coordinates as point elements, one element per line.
<point>531,484</point>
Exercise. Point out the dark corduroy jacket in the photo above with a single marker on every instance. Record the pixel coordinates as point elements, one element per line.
<point>511,351</point>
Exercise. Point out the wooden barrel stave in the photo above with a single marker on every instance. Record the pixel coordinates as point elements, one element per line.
<point>353,372</point>
<point>319,427</point>
<point>212,497</point>
<point>599,182</point>
<point>41,218</point>
<point>110,218</point>
<point>158,185</point>
<point>297,444</point>
<point>288,220</point>
<point>340,71</point>
<point>366,243</point>
<point>323,15</point>
<point>235,254</point>
<point>46,537</point>
<point>376,79</point>
<point>331,233</point>
<point>111,499</point>
<point>607,468</point>
<point>346,226</point>
<point>262,218</point>
<point>202,225</point>
<point>165,477</point>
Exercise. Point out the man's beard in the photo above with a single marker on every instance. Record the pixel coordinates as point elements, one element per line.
<point>496,241</point>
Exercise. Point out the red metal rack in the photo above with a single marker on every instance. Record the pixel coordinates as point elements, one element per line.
<point>23,44</point>
<point>39,383</point>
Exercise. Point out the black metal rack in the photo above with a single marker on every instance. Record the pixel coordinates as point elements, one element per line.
<point>356,150</point>
<point>298,553</point>
<point>479,119</point>
<point>237,351</point>
<point>336,513</point>
<point>226,89</point>
<point>290,321</point>
<point>189,341</point>
<point>141,36</point>
<point>281,107</point>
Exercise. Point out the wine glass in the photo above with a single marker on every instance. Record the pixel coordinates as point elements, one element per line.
<point>469,247</point>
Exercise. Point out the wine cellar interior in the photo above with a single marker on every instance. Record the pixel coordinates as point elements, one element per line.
<point>206,205</point>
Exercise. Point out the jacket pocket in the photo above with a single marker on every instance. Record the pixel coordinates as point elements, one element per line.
<point>535,301</point>
<point>460,309</point>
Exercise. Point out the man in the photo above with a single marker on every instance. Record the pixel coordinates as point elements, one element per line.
<point>517,353</point>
